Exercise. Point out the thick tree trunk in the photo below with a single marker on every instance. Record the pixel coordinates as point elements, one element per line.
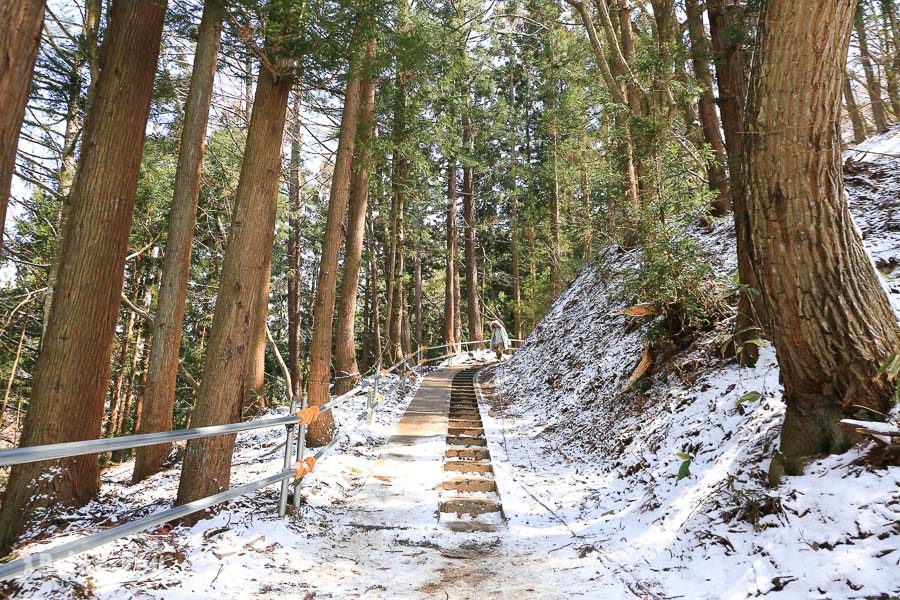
<point>255,392</point>
<point>72,373</point>
<point>728,33</point>
<point>450,308</point>
<point>74,114</point>
<point>20,37</point>
<point>831,321</point>
<point>873,85</point>
<point>709,120</point>
<point>860,131</point>
<point>207,462</point>
<point>295,304</point>
<point>321,431</point>
<point>346,367</point>
<point>159,399</point>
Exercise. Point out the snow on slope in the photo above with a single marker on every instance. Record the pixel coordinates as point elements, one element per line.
<point>609,459</point>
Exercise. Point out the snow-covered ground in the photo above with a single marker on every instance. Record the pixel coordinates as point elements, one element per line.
<point>607,461</point>
<point>587,472</point>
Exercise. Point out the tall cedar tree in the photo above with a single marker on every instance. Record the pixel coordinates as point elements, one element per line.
<point>239,304</point>
<point>20,37</point>
<point>72,372</point>
<point>728,32</point>
<point>321,431</point>
<point>159,398</point>
<point>831,321</point>
<point>709,120</point>
<point>473,304</point>
<point>294,250</point>
<point>346,368</point>
<point>451,310</point>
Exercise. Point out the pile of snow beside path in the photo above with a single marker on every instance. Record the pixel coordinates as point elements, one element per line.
<point>190,562</point>
<point>606,461</point>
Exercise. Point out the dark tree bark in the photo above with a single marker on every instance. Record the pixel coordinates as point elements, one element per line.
<point>831,321</point>
<point>72,373</point>
<point>320,432</point>
<point>346,368</point>
<point>20,37</point>
<point>159,400</point>
<point>728,35</point>
<point>294,251</point>
<point>709,120</point>
<point>230,352</point>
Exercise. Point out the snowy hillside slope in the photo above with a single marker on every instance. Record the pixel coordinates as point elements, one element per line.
<point>610,459</point>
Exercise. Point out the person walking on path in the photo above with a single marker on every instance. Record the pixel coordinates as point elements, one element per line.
<point>499,338</point>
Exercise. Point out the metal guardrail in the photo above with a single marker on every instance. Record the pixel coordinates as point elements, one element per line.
<point>17,456</point>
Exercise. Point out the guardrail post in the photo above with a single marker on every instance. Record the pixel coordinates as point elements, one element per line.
<point>301,448</point>
<point>288,448</point>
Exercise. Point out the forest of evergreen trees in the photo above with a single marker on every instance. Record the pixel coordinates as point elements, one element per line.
<point>360,178</point>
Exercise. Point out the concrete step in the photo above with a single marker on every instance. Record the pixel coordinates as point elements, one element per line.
<point>470,453</point>
<point>470,484</point>
<point>466,431</point>
<point>467,466</point>
<point>464,423</point>
<point>466,441</point>
<point>471,526</point>
<point>469,506</point>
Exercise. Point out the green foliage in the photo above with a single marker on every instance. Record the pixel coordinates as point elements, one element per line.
<point>684,470</point>
<point>890,368</point>
<point>673,270</point>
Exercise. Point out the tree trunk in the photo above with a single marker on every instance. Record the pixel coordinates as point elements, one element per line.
<point>20,37</point>
<point>74,114</point>
<point>891,29</point>
<point>709,120</point>
<point>207,462</point>
<point>373,294</point>
<point>831,321</point>
<point>72,372</point>
<point>449,327</point>
<point>295,233</point>
<point>320,432</point>
<point>395,303</point>
<point>728,35</point>
<point>159,399</point>
<point>420,328</point>
<point>555,249</point>
<point>12,371</point>
<point>860,131</point>
<point>472,303</point>
<point>873,85</point>
<point>255,391</point>
<point>346,367</point>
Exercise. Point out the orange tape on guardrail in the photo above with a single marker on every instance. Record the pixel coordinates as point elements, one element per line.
<point>305,467</point>
<point>308,415</point>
